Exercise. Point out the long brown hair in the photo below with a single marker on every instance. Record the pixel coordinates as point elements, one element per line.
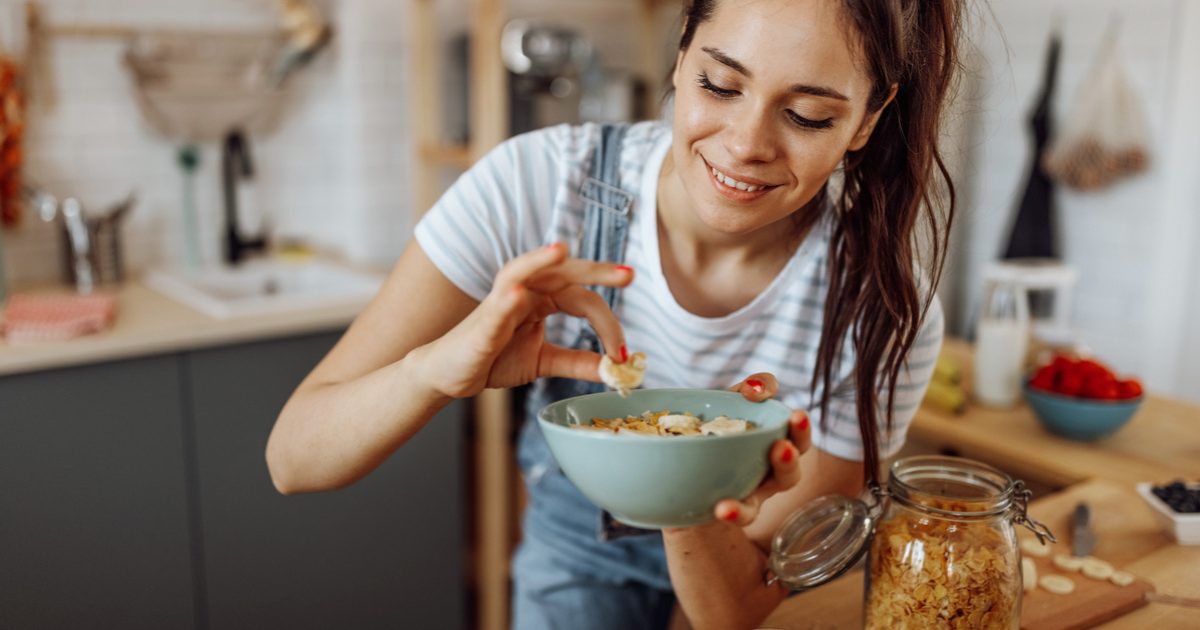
<point>890,192</point>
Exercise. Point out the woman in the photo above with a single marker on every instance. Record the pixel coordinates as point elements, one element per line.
<point>733,255</point>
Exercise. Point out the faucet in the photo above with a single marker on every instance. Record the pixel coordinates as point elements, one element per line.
<point>79,238</point>
<point>235,162</point>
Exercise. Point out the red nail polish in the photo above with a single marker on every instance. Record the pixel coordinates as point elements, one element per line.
<point>755,384</point>
<point>731,515</point>
<point>787,455</point>
<point>804,424</point>
<point>624,354</point>
<point>625,268</point>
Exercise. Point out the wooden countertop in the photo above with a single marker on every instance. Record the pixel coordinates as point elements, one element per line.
<point>150,323</point>
<point>1160,443</point>
<point>1127,536</point>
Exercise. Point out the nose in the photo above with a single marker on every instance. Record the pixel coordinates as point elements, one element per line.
<point>750,137</point>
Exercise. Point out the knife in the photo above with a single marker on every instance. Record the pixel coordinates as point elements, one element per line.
<point>1083,539</point>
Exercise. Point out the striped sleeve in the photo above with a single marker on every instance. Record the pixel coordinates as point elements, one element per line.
<point>497,210</point>
<point>840,436</point>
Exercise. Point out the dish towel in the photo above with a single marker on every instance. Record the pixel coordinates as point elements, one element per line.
<point>29,318</point>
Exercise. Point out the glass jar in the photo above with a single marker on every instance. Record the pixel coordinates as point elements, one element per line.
<point>944,554</point>
<point>940,542</point>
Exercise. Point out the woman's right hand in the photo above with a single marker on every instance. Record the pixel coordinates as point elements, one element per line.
<point>502,342</point>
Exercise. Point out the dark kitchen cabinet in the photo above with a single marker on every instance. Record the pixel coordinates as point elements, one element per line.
<point>135,494</point>
<point>384,553</point>
<point>94,519</point>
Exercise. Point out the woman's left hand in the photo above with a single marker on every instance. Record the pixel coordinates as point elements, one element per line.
<point>784,455</point>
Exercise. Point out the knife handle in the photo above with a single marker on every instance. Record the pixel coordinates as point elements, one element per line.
<point>1173,600</point>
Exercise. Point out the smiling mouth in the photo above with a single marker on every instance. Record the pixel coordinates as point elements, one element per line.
<point>735,186</point>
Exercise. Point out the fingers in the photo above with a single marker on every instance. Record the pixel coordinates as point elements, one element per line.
<point>566,363</point>
<point>507,311</point>
<point>574,271</point>
<point>785,473</point>
<point>580,302</point>
<point>758,387</point>
<point>739,513</point>
<point>520,269</point>
<point>800,431</point>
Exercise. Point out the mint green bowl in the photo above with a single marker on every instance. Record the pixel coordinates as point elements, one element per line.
<point>653,482</point>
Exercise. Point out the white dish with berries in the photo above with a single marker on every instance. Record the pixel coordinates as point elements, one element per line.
<point>1184,526</point>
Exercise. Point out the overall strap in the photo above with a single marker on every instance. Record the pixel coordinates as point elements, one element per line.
<point>607,209</point>
<point>607,206</point>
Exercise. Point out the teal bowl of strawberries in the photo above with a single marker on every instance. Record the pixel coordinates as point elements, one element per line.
<point>1082,399</point>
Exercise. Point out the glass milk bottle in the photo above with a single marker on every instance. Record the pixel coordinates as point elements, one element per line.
<point>1001,339</point>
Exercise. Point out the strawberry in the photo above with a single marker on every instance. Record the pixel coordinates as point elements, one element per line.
<point>1129,388</point>
<point>1070,383</point>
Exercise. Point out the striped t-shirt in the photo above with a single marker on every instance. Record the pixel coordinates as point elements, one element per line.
<point>524,194</point>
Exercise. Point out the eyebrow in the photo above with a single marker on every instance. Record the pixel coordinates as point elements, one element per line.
<point>811,90</point>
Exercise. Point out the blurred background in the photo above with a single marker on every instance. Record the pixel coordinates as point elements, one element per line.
<point>198,197</point>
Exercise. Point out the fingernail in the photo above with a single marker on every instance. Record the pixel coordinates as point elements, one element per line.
<point>731,515</point>
<point>804,423</point>
<point>624,354</point>
<point>788,453</point>
<point>625,268</point>
<point>755,384</point>
<point>554,245</point>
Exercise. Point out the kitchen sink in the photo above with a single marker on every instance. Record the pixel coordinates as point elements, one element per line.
<point>260,287</point>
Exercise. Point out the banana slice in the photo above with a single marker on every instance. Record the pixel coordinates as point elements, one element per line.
<point>1096,568</point>
<point>623,377</point>
<point>679,424</point>
<point>1068,563</point>
<point>1028,574</point>
<point>1057,584</point>
<point>724,426</point>
<point>1031,547</point>
<point>1121,578</point>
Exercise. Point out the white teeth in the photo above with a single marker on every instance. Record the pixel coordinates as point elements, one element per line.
<point>733,183</point>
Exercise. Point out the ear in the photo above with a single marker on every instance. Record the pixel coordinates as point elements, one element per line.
<point>864,132</point>
<point>676,71</point>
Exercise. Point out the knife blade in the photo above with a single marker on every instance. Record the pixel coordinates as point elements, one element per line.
<point>1083,538</point>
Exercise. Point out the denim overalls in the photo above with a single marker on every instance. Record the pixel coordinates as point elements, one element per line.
<point>575,568</point>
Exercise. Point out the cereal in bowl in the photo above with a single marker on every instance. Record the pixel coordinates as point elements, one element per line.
<point>666,423</point>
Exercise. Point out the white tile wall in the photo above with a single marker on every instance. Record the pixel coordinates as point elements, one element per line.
<point>334,171</point>
<point>1131,242</point>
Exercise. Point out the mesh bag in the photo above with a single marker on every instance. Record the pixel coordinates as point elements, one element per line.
<point>1105,137</point>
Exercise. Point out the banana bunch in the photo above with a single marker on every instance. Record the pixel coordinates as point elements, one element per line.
<point>946,391</point>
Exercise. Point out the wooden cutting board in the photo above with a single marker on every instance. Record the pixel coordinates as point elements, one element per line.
<point>1091,603</point>
<point>1125,531</point>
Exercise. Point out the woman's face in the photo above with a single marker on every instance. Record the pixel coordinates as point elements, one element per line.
<point>769,97</point>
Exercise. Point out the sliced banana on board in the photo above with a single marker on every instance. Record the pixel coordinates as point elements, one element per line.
<point>1121,578</point>
<point>1096,568</point>
<point>1068,563</point>
<point>1057,584</point>
<point>623,377</point>
<point>1028,574</point>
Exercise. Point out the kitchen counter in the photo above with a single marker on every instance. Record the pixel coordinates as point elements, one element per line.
<point>1160,443</point>
<point>148,323</point>
<point>1126,534</point>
